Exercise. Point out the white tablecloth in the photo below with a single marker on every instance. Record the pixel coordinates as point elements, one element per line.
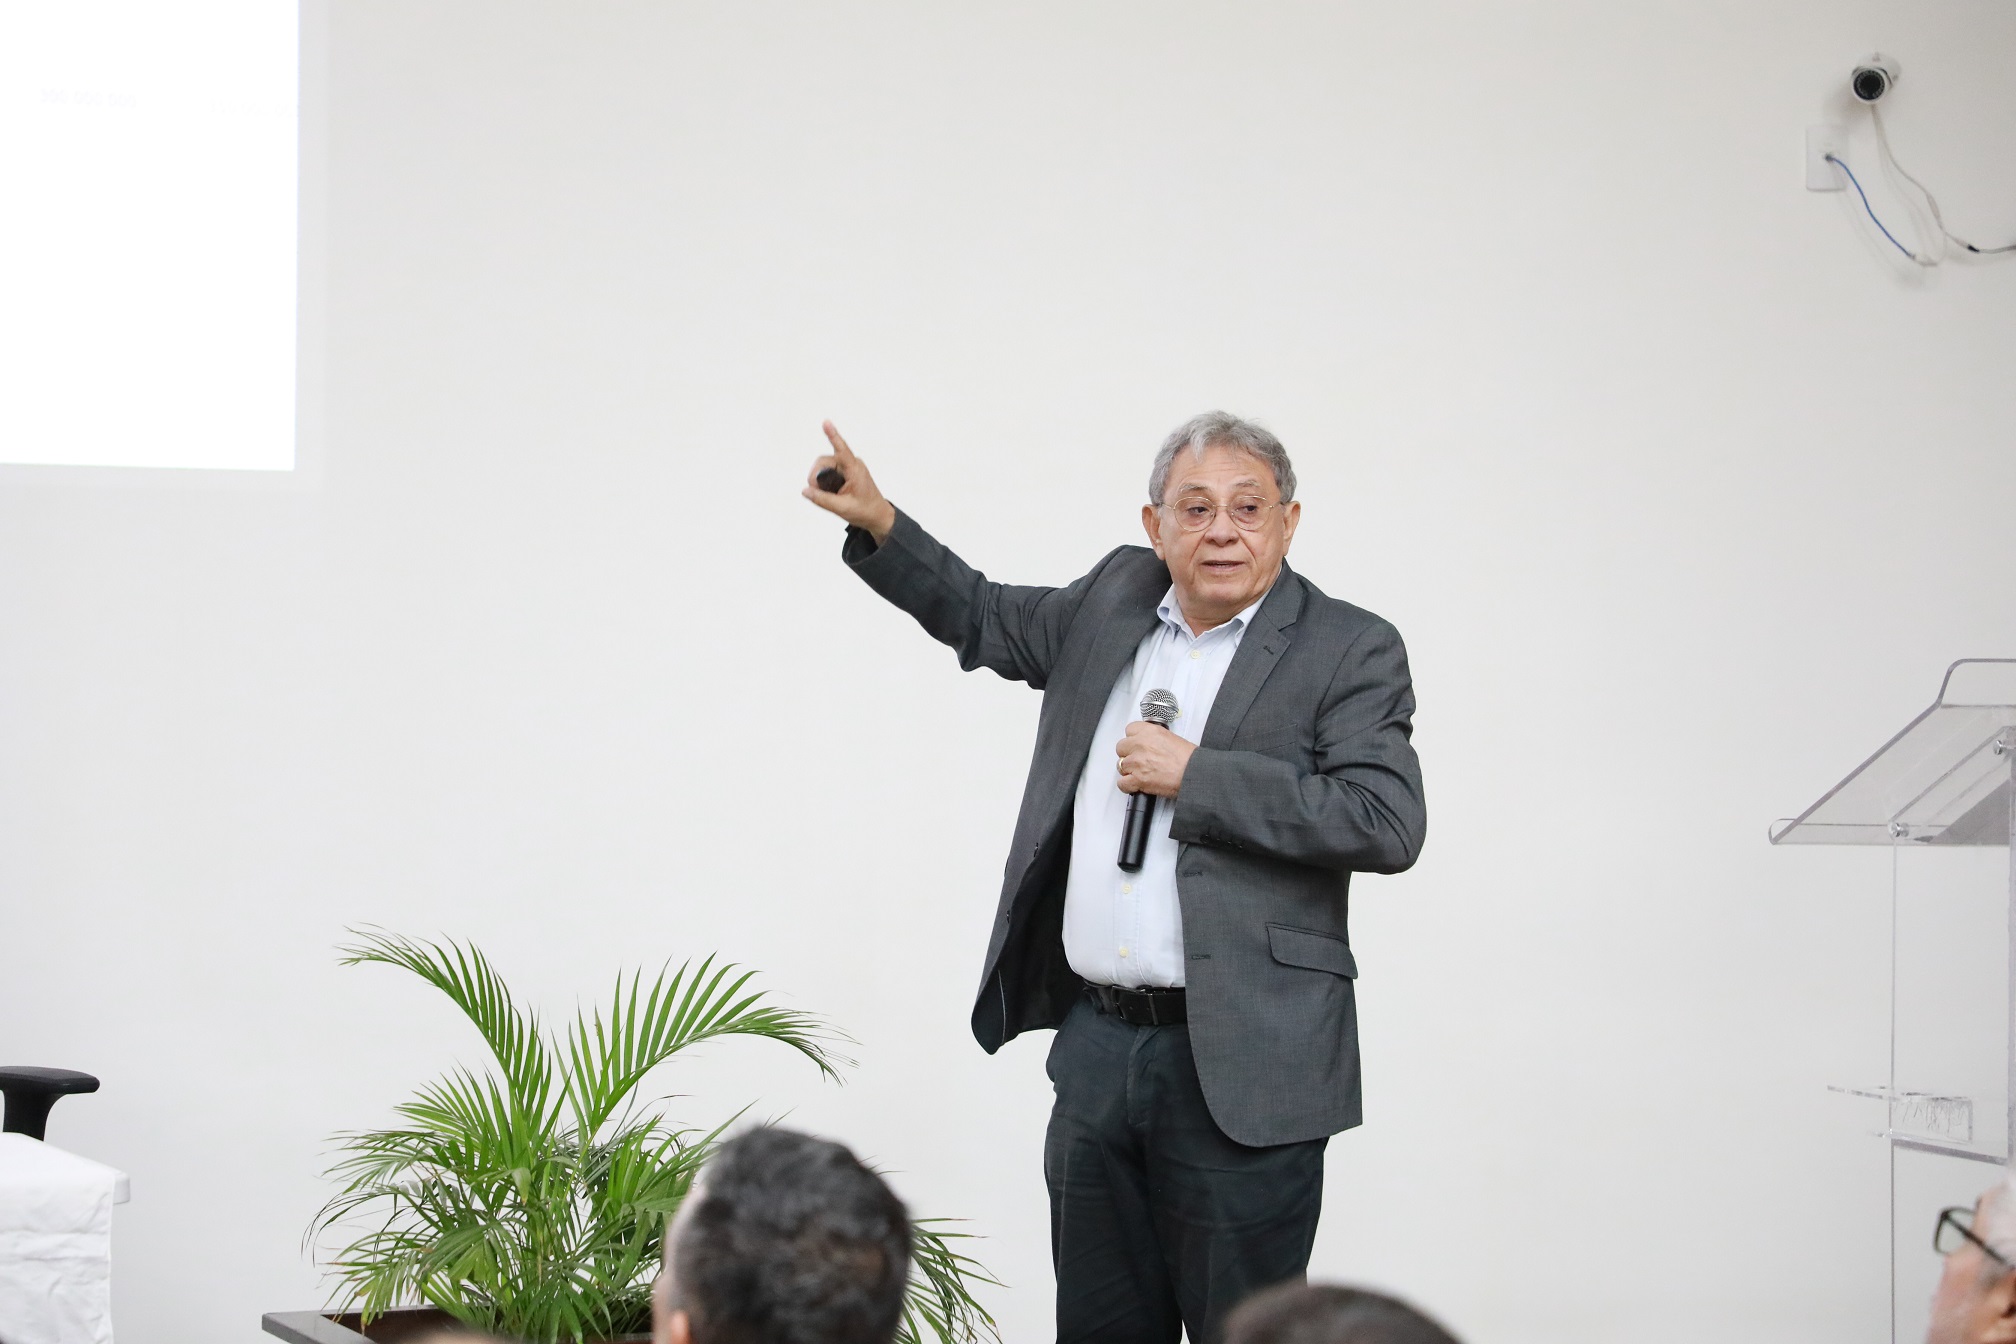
<point>55,1244</point>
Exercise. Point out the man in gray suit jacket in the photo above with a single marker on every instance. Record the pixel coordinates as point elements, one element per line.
<point>1207,1042</point>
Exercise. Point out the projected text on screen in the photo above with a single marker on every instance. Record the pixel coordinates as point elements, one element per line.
<point>147,248</point>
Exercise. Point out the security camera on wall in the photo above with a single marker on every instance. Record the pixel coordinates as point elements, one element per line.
<point>1873,78</point>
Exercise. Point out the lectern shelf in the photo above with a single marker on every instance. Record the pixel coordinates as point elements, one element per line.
<point>1942,780</point>
<point>1941,784</point>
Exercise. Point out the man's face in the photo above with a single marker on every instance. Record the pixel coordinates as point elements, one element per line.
<point>1975,1302</point>
<point>1221,569</point>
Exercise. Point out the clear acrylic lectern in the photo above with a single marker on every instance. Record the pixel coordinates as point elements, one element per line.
<point>1938,795</point>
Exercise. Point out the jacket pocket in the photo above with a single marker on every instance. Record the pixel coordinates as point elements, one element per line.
<point>1311,950</point>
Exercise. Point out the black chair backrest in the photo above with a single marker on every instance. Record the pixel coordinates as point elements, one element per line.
<point>31,1091</point>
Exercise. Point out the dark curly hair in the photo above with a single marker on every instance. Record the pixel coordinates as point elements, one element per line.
<point>1298,1313</point>
<point>790,1240</point>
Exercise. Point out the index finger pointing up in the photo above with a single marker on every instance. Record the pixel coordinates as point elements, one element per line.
<point>840,448</point>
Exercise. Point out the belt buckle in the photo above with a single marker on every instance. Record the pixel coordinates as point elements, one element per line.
<point>1142,1007</point>
<point>1135,1007</point>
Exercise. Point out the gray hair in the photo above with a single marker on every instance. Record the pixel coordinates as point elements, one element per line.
<point>1317,1313</point>
<point>1220,429</point>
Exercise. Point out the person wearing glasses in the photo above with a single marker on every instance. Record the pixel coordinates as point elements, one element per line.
<point>1976,1299</point>
<point>1207,1040</point>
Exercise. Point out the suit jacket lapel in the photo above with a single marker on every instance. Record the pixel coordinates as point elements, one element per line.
<point>1122,625</point>
<point>1259,650</point>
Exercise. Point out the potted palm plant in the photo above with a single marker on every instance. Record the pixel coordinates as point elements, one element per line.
<point>531,1201</point>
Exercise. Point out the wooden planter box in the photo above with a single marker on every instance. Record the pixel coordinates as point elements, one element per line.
<point>401,1323</point>
<point>314,1327</point>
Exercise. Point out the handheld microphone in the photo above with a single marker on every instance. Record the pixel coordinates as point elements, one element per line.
<point>1157,707</point>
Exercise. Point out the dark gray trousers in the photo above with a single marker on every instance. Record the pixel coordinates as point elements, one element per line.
<point>1159,1222</point>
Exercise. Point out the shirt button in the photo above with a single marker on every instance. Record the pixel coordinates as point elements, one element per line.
<point>1196,653</point>
<point>1123,951</point>
<point>1126,888</point>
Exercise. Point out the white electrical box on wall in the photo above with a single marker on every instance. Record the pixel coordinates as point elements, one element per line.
<point>1820,142</point>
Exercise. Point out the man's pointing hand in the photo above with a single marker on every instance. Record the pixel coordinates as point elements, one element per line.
<point>858,501</point>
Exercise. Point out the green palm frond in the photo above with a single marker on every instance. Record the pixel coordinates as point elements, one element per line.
<point>534,1204</point>
<point>940,1300</point>
<point>607,1060</point>
<point>465,975</point>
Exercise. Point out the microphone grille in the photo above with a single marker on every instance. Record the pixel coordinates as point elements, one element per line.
<point>1159,707</point>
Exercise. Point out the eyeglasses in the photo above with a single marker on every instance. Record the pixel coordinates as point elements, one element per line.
<point>1194,513</point>
<point>1955,1228</point>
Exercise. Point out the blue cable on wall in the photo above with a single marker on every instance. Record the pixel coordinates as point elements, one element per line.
<point>1872,209</point>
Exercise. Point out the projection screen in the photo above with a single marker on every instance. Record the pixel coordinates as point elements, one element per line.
<point>147,247</point>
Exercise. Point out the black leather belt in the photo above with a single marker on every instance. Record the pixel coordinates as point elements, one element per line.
<point>1140,1007</point>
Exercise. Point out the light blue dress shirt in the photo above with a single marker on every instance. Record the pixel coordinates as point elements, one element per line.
<point>1126,928</point>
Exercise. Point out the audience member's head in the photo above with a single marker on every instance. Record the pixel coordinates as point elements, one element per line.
<point>1976,1300</point>
<point>1299,1313</point>
<point>785,1239</point>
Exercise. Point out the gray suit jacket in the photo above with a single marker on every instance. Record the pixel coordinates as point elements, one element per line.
<point>1305,775</point>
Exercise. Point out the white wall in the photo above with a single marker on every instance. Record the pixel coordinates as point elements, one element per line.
<point>1682,490</point>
